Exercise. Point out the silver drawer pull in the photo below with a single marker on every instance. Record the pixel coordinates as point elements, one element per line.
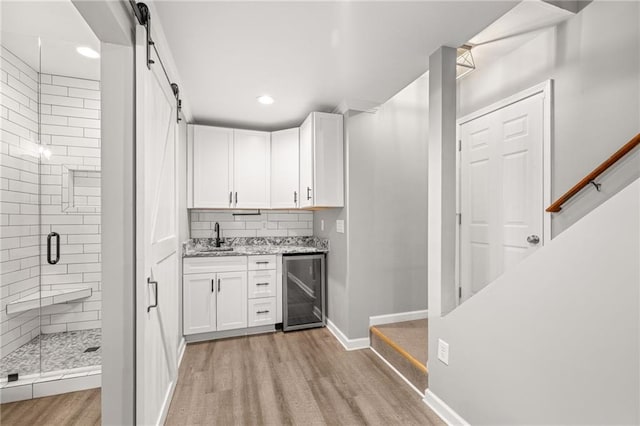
<point>262,262</point>
<point>262,283</point>
<point>262,312</point>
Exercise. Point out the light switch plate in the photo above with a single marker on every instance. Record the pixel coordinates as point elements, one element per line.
<point>322,224</point>
<point>443,351</point>
<point>340,226</point>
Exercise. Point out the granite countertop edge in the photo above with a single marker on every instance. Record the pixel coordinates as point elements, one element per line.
<point>255,246</point>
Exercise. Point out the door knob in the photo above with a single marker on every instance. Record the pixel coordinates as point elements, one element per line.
<point>533,239</point>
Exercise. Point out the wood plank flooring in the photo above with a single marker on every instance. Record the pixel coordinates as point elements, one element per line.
<point>298,378</point>
<point>75,408</point>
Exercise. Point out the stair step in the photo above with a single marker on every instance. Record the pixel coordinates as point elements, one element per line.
<point>407,364</point>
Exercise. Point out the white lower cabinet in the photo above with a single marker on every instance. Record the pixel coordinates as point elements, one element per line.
<point>199,303</point>
<point>232,300</point>
<point>262,311</point>
<point>229,293</point>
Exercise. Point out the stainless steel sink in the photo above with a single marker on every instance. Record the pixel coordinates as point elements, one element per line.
<point>216,249</point>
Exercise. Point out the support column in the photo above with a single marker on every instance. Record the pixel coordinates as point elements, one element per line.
<point>441,226</point>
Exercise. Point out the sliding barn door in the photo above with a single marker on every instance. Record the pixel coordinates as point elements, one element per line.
<point>157,281</point>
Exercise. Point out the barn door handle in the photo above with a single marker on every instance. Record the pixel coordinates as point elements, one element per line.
<point>49,237</point>
<point>155,284</point>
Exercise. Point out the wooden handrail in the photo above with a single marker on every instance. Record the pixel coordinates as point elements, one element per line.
<point>626,148</point>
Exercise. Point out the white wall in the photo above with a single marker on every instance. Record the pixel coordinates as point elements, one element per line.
<point>593,59</point>
<point>555,339</point>
<point>270,223</point>
<point>385,217</point>
<point>19,200</point>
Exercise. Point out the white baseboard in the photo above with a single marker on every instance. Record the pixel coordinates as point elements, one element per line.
<point>172,387</point>
<point>349,344</point>
<point>399,317</point>
<point>398,373</point>
<point>445,412</point>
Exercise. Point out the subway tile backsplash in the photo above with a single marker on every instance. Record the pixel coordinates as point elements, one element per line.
<point>270,223</point>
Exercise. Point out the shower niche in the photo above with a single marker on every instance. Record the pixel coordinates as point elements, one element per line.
<point>50,299</point>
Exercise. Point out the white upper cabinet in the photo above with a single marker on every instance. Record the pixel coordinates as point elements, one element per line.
<point>321,161</point>
<point>210,175</point>
<point>244,169</point>
<point>251,169</point>
<point>284,169</point>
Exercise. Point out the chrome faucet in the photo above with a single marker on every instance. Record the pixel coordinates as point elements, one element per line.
<point>216,229</point>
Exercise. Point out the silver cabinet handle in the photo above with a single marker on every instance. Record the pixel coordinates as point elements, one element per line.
<point>236,198</point>
<point>295,197</point>
<point>533,239</point>
<point>262,262</point>
<point>230,198</point>
<point>308,193</point>
<point>262,283</point>
<point>155,284</point>
<point>212,289</point>
<point>218,285</point>
<point>262,312</point>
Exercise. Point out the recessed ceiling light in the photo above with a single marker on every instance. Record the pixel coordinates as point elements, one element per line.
<point>88,52</point>
<point>265,100</point>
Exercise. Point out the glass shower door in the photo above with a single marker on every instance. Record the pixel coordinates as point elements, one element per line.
<point>70,200</point>
<point>20,162</point>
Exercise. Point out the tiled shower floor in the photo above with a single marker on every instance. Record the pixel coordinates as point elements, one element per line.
<point>60,351</point>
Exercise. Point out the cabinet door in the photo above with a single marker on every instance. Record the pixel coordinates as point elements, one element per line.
<point>306,163</point>
<point>328,160</point>
<point>251,169</point>
<point>212,161</point>
<point>232,300</point>
<point>199,303</point>
<point>284,169</point>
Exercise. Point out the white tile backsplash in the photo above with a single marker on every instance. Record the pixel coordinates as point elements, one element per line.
<point>267,224</point>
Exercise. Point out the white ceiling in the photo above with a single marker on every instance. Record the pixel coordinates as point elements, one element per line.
<point>310,56</point>
<point>61,29</point>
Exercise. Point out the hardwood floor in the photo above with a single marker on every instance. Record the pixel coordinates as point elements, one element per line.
<point>75,408</point>
<point>301,378</point>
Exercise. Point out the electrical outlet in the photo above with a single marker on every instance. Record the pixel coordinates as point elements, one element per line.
<point>443,351</point>
<point>340,226</point>
<point>264,224</point>
<point>322,224</point>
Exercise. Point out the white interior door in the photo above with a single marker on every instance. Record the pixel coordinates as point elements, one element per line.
<point>501,191</point>
<point>157,284</point>
<point>251,169</point>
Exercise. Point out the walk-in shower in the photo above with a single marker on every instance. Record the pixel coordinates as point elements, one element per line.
<point>50,337</point>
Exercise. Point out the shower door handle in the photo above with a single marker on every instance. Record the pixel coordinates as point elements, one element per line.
<point>49,238</point>
<point>155,284</point>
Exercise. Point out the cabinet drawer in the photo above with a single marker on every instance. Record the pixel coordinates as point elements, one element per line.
<point>262,262</point>
<point>262,283</point>
<point>200,265</point>
<point>262,311</point>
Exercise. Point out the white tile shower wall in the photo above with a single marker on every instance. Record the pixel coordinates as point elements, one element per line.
<point>19,247</point>
<point>276,223</point>
<point>70,187</point>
